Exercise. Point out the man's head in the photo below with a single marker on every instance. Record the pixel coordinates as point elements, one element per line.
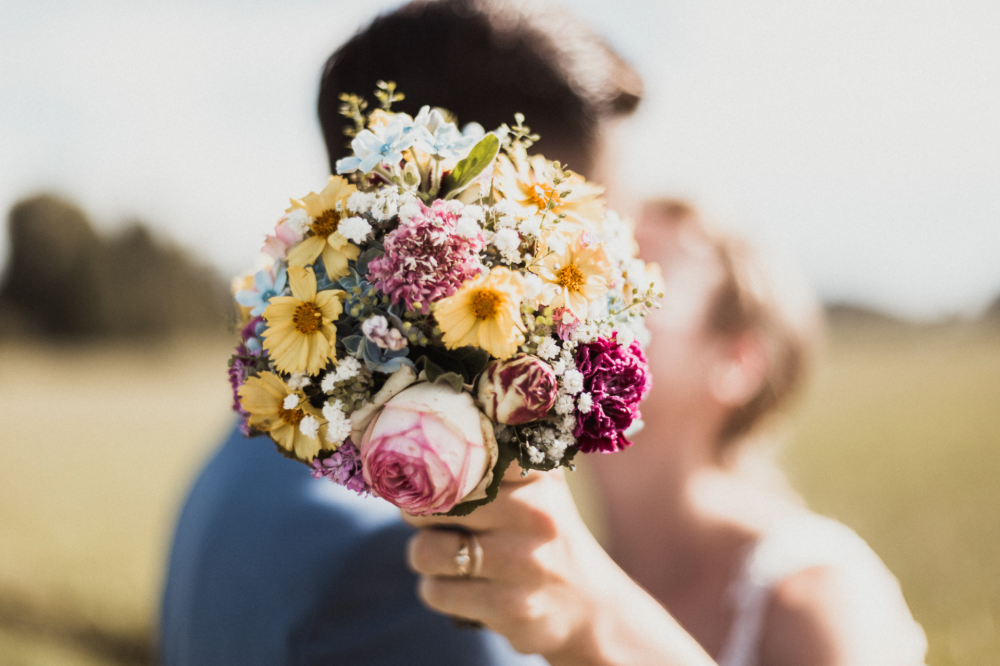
<point>485,60</point>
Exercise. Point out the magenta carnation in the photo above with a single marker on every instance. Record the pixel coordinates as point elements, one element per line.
<point>425,258</point>
<point>343,468</point>
<point>617,380</point>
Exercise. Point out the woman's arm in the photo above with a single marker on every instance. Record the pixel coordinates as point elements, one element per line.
<point>546,584</point>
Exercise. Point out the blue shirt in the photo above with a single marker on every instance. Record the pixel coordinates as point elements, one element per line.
<point>270,566</point>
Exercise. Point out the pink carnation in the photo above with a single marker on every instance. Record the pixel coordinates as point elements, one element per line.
<point>425,258</point>
<point>617,380</point>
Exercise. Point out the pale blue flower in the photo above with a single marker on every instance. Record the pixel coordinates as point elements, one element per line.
<point>447,141</point>
<point>267,284</point>
<point>384,144</point>
<point>435,136</point>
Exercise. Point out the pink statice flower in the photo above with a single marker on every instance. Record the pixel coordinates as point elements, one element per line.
<point>276,245</point>
<point>426,259</point>
<point>343,468</point>
<point>617,379</point>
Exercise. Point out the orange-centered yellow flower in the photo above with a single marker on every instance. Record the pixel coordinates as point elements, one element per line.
<point>485,312</point>
<point>295,425</point>
<point>301,335</point>
<point>527,181</point>
<point>575,277</point>
<point>324,222</point>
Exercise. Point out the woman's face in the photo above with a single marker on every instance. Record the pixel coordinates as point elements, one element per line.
<point>682,350</point>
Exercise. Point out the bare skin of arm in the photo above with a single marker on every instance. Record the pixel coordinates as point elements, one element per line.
<point>547,585</point>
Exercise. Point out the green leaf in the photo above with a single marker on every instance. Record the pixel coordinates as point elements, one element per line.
<point>453,379</point>
<point>465,361</point>
<point>473,359</point>
<point>479,158</point>
<point>546,465</point>
<point>507,454</point>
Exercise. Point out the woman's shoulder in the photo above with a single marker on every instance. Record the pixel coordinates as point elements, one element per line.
<point>829,598</point>
<point>804,540</point>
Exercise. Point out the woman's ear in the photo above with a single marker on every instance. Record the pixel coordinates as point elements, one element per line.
<point>739,370</point>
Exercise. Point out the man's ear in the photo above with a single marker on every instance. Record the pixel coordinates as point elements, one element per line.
<point>739,371</point>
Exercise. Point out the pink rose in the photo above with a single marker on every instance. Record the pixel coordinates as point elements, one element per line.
<point>429,449</point>
<point>284,237</point>
<point>518,390</point>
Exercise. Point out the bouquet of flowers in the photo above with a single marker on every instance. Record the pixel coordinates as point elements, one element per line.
<point>446,304</point>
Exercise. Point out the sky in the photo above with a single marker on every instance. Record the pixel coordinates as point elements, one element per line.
<point>857,138</point>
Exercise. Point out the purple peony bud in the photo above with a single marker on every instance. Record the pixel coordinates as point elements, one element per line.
<point>517,390</point>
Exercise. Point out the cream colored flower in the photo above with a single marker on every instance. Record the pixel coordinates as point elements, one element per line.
<point>527,181</point>
<point>485,312</point>
<point>576,276</point>
<point>301,334</point>
<point>265,398</point>
<point>325,219</point>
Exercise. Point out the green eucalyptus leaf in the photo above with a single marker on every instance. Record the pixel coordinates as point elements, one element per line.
<point>507,454</point>
<point>363,260</point>
<point>473,359</point>
<point>461,361</point>
<point>477,161</point>
<point>435,373</point>
<point>452,379</point>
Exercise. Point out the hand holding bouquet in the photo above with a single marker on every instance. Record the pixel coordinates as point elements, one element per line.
<point>446,304</point>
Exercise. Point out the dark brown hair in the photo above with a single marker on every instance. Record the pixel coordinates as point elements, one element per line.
<point>485,60</point>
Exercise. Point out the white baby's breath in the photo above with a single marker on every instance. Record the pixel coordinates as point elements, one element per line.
<point>299,220</point>
<point>507,242</point>
<point>298,380</point>
<point>467,226</point>
<point>626,336</point>
<point>585,403</point>
<point>548,348</point>
<point>573,381</point>
<point>291,401</point>
<point>530,226</point>
<point>338,426</point>
<point>564,404</point>
<point>347,369</point>
<point>309,426</point>
<point>355,229</point>
<point>533,286</point>
<point>360,202</point>
<point>408,210</point>
<point>475,212</point>
<point>505,207</point>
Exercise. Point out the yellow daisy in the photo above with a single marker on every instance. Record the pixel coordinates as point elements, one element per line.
<point>300,334</point>
<point>576,276</point>
<point>266,398</point>
<point>324,220</point>
<point>527,181</point>
<point>485,312</point>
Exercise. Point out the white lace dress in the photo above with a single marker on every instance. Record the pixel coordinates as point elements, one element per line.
<point>797,545</point>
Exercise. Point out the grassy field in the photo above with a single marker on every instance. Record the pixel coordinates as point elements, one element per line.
<point>900,438</point>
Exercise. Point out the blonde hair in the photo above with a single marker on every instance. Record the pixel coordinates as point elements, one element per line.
<point>752,297</point>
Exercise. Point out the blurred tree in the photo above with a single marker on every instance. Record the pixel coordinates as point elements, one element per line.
<point>65,280</point>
